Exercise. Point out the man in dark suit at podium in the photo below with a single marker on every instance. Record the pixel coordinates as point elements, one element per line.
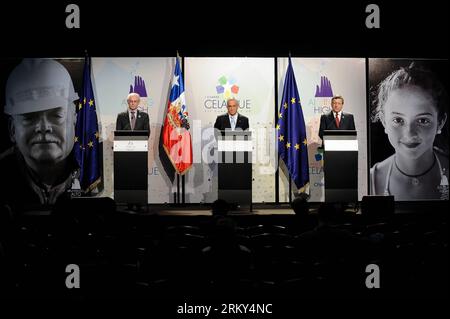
<point>233,190</point>
<point>336,119</point>
<point>133,119</point>
<point>232,120</point>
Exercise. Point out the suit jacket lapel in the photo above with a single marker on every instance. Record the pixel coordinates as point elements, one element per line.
<point>227,121</point>
<point>136,126</point>
<point>332,119</point>
<point>128,119</point>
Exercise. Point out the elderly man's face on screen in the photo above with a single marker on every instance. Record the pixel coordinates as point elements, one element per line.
<point>411,121</point>
<point>44,136</point>
<point>40,101</point>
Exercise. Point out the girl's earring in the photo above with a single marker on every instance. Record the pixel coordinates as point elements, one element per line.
<point>439,131</point>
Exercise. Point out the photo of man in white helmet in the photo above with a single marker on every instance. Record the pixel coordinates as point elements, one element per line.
<point>40,105</point>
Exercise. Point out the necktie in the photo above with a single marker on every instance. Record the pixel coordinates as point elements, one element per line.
<point>133,121</point>
<point>337,120</point>
<point>233,123</point>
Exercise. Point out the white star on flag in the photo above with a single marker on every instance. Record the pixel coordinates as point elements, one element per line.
<point>175,80</point>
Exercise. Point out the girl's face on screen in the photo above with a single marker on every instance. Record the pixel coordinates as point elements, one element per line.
<point>411,121</point>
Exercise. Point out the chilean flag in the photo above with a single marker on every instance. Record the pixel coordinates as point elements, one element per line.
<point>176,136</point>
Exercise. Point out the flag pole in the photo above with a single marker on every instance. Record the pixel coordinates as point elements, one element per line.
<point>182,200</point>
<point>183,179</point>
<point>183,190</point>
<point>290,179</point>
<point>290,189</point>
<point>178,188</point>
<point>180,192</point>
<point>277,172</point>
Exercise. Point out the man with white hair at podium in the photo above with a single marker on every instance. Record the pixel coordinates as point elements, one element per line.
<point>232,120</point>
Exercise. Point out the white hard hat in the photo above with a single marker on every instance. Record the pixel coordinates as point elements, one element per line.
<point>38,85</point>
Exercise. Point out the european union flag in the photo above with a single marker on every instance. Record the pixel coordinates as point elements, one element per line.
<point>291,132</point>
<point>87,134</point>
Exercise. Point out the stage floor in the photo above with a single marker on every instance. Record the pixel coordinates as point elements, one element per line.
<point>205,210</point>
<point>259,209</point>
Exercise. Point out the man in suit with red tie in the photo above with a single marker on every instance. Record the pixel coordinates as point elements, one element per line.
<point>336,119</point>
<point>232,120</point>
<point>133,119</point>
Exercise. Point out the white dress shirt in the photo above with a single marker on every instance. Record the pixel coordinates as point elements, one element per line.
<point>235,117</point>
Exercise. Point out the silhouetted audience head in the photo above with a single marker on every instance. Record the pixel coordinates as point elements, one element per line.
<point>220,207</point>
<point>300,205</point>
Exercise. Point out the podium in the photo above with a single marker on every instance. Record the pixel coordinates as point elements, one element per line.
<point>131,167</point>
<point>340,165</point>
<point>235,167</point>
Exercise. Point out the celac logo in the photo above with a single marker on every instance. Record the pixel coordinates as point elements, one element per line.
<point>227,87</point>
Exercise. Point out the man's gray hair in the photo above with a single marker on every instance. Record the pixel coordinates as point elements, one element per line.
<point>233,99</point>
<point>133,94</point>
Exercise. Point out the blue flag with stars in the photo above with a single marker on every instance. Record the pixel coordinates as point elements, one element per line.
<point>291,132</point>
<point>86,146</point>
